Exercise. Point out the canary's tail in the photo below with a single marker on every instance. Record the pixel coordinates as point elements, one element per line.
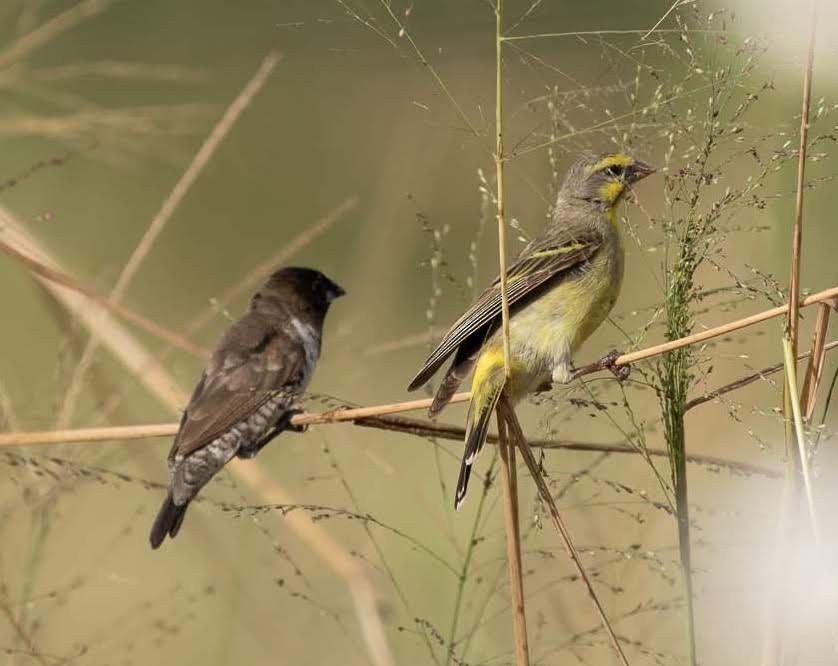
<point>168,521</point>
<point>486,388</point>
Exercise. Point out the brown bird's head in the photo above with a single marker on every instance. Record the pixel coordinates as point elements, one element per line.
<point>603,178</point>
<point>303,289</point>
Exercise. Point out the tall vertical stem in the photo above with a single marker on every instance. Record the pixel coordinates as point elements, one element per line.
<point>499,164</point>
<point>513,543</point>
<point>507,451</point>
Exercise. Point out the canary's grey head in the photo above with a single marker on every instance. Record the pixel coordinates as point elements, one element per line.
<point>298,289</point>
<point>603,178</point>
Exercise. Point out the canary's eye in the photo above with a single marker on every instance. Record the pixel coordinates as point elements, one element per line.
<point>615,171</point>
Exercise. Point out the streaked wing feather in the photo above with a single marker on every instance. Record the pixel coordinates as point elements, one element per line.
<point>540,262</point>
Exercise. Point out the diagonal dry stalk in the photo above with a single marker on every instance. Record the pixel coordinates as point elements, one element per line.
<point>157,379</point>
<point>167,209</point>
<point>57,277</point>
<point>814,369</point>
<point>264,268</point>
<point>507,413</point>
<point>762,374</point>
<point>46,32</point>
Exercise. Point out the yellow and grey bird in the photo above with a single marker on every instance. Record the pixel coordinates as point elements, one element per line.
<point>560,289</point>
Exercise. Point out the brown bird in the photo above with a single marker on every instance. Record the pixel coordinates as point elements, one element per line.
<point>247,392</point>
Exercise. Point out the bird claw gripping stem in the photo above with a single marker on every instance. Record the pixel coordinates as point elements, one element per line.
<point>293,427</point>
<point>607,362</point>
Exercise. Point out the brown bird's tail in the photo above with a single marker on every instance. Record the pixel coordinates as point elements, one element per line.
<point>168,521</point>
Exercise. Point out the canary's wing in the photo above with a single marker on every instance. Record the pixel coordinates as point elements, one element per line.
<point>253,362</point>
<point>541,262</point>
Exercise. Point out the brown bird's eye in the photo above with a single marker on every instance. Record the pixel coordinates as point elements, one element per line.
<point>615,171</point>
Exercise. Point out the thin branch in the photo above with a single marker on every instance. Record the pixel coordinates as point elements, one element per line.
<point>409,426</point>
<point>507,413</point>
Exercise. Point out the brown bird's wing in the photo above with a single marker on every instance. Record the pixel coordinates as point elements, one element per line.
<point>253,361</point>
<point>543,260</point>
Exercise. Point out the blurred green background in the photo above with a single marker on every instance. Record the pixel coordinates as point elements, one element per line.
<point>123,93</point>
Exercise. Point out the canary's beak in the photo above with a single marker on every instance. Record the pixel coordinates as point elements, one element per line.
<point>638,171</point>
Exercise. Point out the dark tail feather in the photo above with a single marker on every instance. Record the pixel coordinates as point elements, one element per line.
<point>453,378</point>
<point>168,521</point>
<point>476,432</point>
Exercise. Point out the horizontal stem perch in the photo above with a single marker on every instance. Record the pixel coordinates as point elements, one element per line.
<point>423,428</point>
<point>702,336</point>
<point>419,427</point>
<point>361,413</point>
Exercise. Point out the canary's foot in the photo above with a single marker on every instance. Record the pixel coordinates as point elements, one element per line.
<point>609,362</point>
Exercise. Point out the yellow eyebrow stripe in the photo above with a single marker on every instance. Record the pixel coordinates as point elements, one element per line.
<point>612,160</point>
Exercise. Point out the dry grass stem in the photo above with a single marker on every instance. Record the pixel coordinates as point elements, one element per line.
<point>749,379</point>
<point>160,383</point>
<point>814,369</point>
<point>797,232</point>
<point>418,427</point>
<point>338,559</point>
<point>151,327</point>
<point>265,268</point>
<point>507,414</point>
<point>46,32</point>
<point>509,482</point>
<point>499,171</point>
<point>170,205</point>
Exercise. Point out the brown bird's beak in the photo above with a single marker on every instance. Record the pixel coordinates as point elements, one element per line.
<point>638,171</point>
<point>336,291</point>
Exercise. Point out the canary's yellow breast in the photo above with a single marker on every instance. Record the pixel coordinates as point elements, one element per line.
<point>545,333</point>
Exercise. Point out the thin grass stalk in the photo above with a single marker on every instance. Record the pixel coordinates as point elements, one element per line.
<point>507,413</point>
<point>167,210</point>
<point>509,481</point>
<point>160,383</point>
<point>463,577</point>
<point>499,171</point>
<point>814,369</point>
<point>797,232</point>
